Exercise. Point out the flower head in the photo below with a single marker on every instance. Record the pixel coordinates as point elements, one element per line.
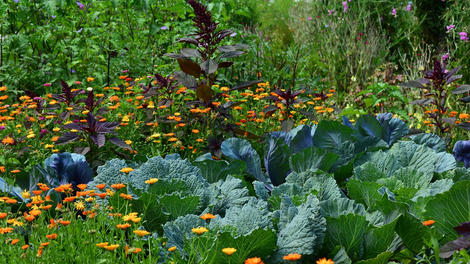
<point>325,261</point>
<point>254,260</point>
<point>151,181</point>
<point>463,36</point>
<point>429,222</point>
<point>207,216</point>
<point>229,251</point>
<point>199,230</point>
<point>141,233</point>
<point>292,257</point>
<point>126,170</point>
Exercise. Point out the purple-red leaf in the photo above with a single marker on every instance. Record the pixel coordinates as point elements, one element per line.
<point>463,229</point>
<point>99,139</point>
<point>73,126</point>
<point>120,143</point>
<point>66,138</point>
<point>190,67</point>
<point>448,249</point>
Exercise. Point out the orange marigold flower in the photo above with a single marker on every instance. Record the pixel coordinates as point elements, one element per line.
<point>35,212</point>
<point>3,215</point>
<point>126,196</point>
<point>5,230</point>
<point>64,223</point>
<point>14,241</point>
<point>69,199</point>
<point>81,186</point>
<point>254,260</point>
<point>11,201</point>
<point>8,140</point>
<point>325,261</point>
<point>102,195</point>
<point>37,192</point>
<point>172,249</point>
<point>207,216</point>
<point>136,250</point>
<point>292,257</point>
<point>45,244</point>
<point>25,247</point>
<point>118,186</point>
<point>15,171</point>
<point>101,186</point>
<point>29,218</point>
<point>52,236</point>
<point>429,222</point>
<point>124,226</point>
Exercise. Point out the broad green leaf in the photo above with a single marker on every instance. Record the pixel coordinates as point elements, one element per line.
<point>347,231</point>
<point>384,161</point>
<point>380,259</point>
<point>412,232</point>
<point>330,134</point>
<point>276,158</point>
<point>342,206</point>
<point>365,193</point>
<point>444,162</point>
<point>410,154</point>
<point>150,210</point>
<point>449,209</point>
<point>413,178</point>
<point>312,159</point>
<point>369,172</point>
<point>179,206</point>
<point>341,256</point>
<point>215,170</point>
<point>378,240</point>
<point>366,126</point>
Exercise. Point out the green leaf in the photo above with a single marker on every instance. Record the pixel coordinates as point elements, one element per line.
<point>259,243</point>
<point>341,206</point>
<point>369,172</point>
<point>215,170</point>
<point>179,206</point>
<point>312,159</point>
<point>341,256</point>
<point>367,125</point>
<point>347,231</point>
<point>412,232</point>
<point>365,193</point>
<point>444,162</point>
<point>410,154</point>
<point>378,240</point>
<point>330,134</point>
<point>384,161</point>
<point>449,209</point>
<point>302,231</point>
<point>277,154</point>
<point>380,259</point>
<point>431,140</point>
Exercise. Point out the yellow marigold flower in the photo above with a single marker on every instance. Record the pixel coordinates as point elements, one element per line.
<point>102,245</point>
<point>151,181</point>
<point>126,170</point>
<point>80,205</point>
<point>141,233</point>
<point>25,194</point>
<point>90,79</point>
<point>30,136</point>
<point>111,247</point>
<point>229,251</point>
<point>429,222</point>
<point>207,216</point>
<point>199,230</point>
<point>325,261</point>
<point>172,249</point>
<point>128,142</point>
<point>49,146</point>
